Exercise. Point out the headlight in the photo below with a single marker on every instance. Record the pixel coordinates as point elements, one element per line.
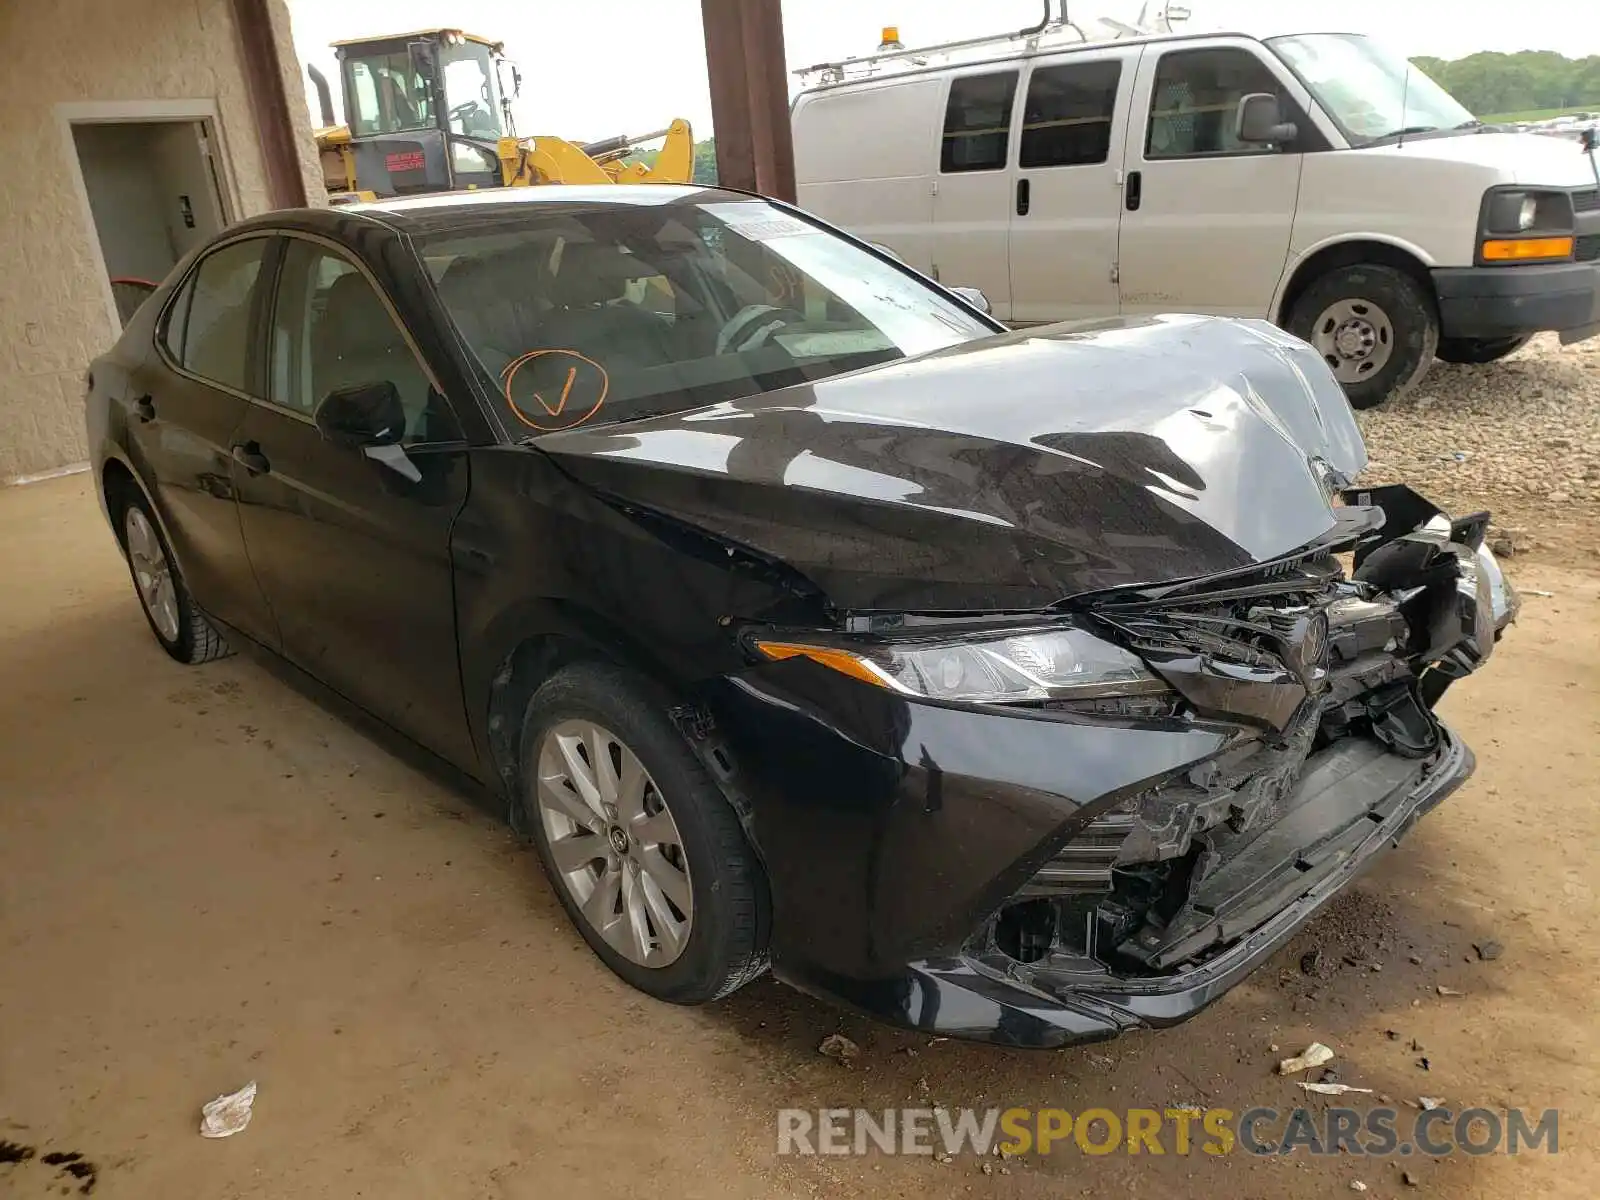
<point>993,668</point>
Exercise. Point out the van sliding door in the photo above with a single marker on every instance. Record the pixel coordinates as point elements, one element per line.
<point>1066,202</point>
<point>973,190</point>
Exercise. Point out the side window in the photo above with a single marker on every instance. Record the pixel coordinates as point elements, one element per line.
<point>178,320</point>
<point>1067,118</point>
<point>331,330</point>
<point>1195,98</point>
<point>214,339</point>
<point>977,122</point>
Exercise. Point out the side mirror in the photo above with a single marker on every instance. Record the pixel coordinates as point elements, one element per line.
<point>368,414</point>
<point>975,298</point>
<point>1588,139</point>
<point>1260,121</point>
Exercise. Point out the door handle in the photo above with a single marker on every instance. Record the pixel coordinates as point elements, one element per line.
<point>1133,190</point>
<point>144,408</point>
<point>1022,197</point>
<point>248,455</point>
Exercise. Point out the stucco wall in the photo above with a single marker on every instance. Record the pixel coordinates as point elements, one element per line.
<point>53,306</point>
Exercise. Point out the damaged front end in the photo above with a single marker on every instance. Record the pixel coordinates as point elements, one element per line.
<point>1154,902</point>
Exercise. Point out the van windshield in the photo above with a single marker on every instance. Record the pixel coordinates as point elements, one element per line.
<point>608,314</point>
<point>1370,93</point>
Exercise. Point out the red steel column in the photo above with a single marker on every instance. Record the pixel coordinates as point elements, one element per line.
<point>749,95</point>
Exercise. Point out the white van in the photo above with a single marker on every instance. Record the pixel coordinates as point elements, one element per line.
<point>1312,179</point>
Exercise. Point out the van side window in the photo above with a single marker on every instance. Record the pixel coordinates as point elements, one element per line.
<point>977,122</point>
<point>1196,97</point>
<point>1067,119</point>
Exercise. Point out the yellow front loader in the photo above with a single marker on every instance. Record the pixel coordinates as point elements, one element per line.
<point>431,112</point>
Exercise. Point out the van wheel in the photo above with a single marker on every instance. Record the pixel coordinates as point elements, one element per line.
<point>1474,351</point>
<point>1374,326</point>
<point>644,851</point>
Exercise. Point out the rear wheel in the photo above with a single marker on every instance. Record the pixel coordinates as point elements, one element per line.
<point>179,626</point>
<point>1374,326</point>
<point>645,853</point>
<point>1474,351</point>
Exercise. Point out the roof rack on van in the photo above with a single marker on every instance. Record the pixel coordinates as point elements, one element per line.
<point>1048,33</point>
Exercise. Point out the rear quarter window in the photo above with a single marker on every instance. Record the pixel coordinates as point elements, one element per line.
<point>211,338</point>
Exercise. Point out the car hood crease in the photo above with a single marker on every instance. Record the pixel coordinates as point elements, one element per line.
<point>1010,472</point>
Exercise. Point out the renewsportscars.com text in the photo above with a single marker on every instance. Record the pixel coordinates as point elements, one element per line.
<point>1374,1132</point>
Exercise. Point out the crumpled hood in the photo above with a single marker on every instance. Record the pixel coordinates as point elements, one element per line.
<point>1009,472</point>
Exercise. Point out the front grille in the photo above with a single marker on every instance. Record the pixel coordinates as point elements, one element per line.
<point>1587,201</point>
<point>1587,248</point>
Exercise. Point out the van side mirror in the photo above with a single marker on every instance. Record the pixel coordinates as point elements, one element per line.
<point>1260,121</point>
<point>368,414</point>
<point>975,298</point>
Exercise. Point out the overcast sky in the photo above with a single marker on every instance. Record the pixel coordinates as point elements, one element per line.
<point>593,68</point>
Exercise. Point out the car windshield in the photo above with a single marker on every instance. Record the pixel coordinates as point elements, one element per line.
<point>612,313</point>
<point>1370,92</point>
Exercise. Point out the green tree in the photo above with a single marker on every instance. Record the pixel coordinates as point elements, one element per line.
<point>1495,82</point>
<point>705,161</point>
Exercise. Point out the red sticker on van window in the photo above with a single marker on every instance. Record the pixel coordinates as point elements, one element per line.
<point>404,160</point>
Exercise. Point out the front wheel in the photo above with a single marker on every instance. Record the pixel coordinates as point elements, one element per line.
<point>646,855</point>
<point>1476,351</point>
<point>1375,327</point>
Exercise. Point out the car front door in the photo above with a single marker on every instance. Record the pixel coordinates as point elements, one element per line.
<point>185,403</point>
<point>1066,197</point>
<point>352,547</point>
<point>1206,217</point>
<point>972,192</point>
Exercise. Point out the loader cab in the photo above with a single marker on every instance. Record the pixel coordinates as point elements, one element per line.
<point>426,111</point>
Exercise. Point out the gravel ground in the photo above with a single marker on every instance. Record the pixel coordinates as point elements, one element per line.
<point>1520,437</point>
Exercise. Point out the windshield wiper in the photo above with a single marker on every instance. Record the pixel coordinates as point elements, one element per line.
<point>1407,132</point>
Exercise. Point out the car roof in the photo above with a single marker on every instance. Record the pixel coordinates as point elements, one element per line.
<point>443,212</point>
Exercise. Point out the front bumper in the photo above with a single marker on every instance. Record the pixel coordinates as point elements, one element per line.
<point>965,996</point>
<point>1498,302</point>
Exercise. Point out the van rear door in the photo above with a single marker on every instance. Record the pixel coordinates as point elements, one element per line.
<point>1065,197</point>
<point>864,160</point>
<point>973,190</point>
<point>1206,217</point>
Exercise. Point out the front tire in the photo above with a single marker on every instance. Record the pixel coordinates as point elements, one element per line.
<point>1477,351</point>
<point>1376,327</point>
<point>642,849</point>
<point>180,627</point>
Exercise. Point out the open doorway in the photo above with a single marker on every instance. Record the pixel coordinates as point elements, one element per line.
<point>153,193</point>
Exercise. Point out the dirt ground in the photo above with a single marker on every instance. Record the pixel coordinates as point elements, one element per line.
<point>206,878</point>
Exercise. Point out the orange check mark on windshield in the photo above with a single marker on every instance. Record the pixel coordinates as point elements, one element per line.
<point>566,390</point>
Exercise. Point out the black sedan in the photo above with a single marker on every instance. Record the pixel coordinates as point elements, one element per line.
<point>1007,685</point>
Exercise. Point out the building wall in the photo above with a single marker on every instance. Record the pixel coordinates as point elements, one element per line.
<point>54,314</point>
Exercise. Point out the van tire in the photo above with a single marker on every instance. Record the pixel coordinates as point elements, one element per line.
<point>1476,351</point>
<point>1376,327</point>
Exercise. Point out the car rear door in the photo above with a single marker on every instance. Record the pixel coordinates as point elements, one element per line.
<point>353,551</point>
<point>1067,198</point>
<point>973,190</point>
<point>1206,218</point>
<point>184,404</point>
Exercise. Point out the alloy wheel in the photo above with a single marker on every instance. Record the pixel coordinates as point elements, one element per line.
<point>613,843</point>
<point>1355,338</point>
<point>152,573</point>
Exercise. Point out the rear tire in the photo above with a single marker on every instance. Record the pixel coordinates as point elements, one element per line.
<point>658,876</point>
<point>179,626</point>
<point>1376,327</point>
<point>1476,351</point>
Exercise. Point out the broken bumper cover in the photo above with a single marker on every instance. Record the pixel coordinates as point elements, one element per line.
<point>968,996</point>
